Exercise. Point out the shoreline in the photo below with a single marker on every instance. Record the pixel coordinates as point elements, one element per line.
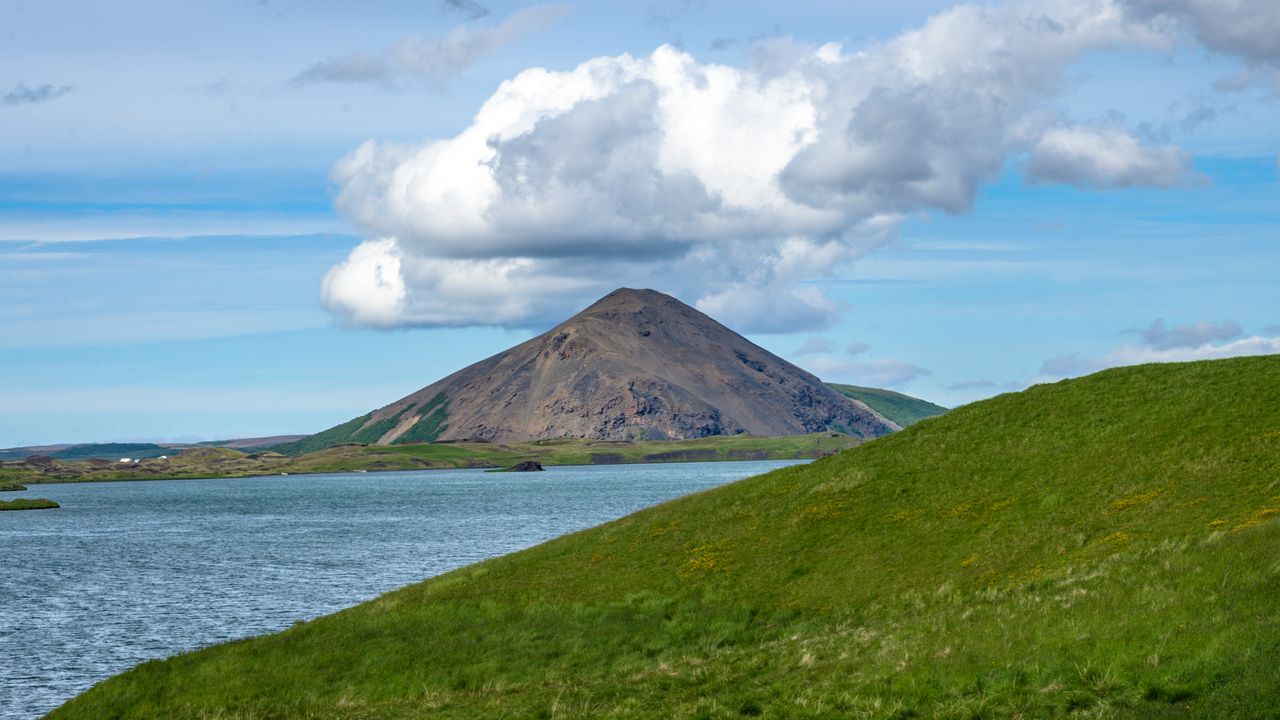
<point>221,463</point>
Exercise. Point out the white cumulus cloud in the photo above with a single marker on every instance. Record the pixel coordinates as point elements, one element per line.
<point>731,187</point>
<point>369,284</point>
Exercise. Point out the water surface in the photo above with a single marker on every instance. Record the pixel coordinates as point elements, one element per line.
<point>126,572</point>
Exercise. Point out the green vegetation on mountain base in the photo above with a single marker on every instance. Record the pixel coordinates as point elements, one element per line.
<point>28,504</point>
<point>321,440</point>
<point>10,486</point>
<point>432,420</point>
<point>1096,548</point>
<point>205,462</point>
<point>901,409</point>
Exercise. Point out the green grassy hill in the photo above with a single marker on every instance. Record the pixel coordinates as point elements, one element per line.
<point>902,409</point>
<point>1102,547</point>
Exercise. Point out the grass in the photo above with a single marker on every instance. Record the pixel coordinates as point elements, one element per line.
<point>28,504</point>
<point>432,420</point>
<point>11,486</point>
<point>1096,548</point>
<point>321,440</point>
<point>901,409</point>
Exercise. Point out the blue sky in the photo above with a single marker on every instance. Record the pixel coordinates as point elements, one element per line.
<point>192,245</point>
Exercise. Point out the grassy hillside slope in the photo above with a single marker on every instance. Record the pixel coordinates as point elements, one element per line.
<point>1102,547</point>
<point>902,409</point>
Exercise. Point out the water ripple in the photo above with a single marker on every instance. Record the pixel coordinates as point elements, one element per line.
<point>129,572</point>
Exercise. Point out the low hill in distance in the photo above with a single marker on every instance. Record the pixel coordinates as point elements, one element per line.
<point>85,451</point>
<point>115,451</point>
<point>1101,547</point>
<point>901,409</point>
<point>636,365</point>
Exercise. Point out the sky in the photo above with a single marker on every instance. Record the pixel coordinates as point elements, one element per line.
<point>238,219</point>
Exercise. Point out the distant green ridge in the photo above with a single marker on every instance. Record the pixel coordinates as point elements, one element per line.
<point>1096,548</point>
<point>902,409</point>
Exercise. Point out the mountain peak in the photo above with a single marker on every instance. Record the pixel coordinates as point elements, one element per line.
<point>630,298</point>
<point>636,364</point>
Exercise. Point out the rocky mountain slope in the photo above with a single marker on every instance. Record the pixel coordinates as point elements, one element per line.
<point>637,364</point>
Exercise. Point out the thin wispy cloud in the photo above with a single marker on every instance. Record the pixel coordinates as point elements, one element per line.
<point>473,10</point>
<point>353,68</point>
<point>1162,337</point>
<point>668,13</point>
<point>434,60</point>
<point>814,346</point>
<point>972,385</point>
<point>438,59</point>
<point>821,357</point>
<point>23,94</point>
<point>856,349</point>
<point>883,372</point>
<point>1159,343</point>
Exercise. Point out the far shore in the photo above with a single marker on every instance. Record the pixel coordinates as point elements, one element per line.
<point>224,463</point>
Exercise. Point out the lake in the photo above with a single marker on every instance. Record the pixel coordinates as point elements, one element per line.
<point>131,571</point>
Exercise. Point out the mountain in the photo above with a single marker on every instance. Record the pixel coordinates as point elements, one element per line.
<point>901,409</point>
<point>1096,548</point>
<point>637,364</point>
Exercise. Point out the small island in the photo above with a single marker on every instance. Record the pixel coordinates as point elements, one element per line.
<point>11,486</point>
<point>28,504</point>
<point>525,466</point>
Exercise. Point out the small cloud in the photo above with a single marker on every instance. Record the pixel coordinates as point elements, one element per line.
<point>438,59</point>
<point>1161,337</point>
<point>770,308</point>
<point>723,43</point>
<point>973,385</point>
<point>473,10</point>
<point>664,15</point>
<point>814,346</point>
<point>1272,329</point>
<point>869,373</point>
<point>1158,344</point>
<point>433,59</point>
<point>355,68</point>
<point>1103,158</point>
<point>1068,365</point>
<point>23,94</point>
<point>217,87</point>
<point>856,349</point>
